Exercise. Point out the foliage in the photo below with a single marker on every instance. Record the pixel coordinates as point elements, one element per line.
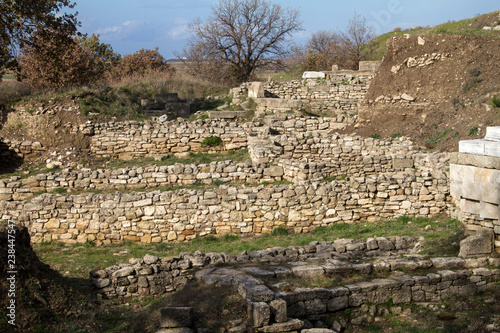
<point>472,79</point>
<point>212,141</point>
<point>104,58</point>
<point>22,20</point>
<point>323,50</point>
<point>145,62</point>
<point>242,35</point>
<point>474,131</point>
<point>50,63</point>
<point>495,102</point>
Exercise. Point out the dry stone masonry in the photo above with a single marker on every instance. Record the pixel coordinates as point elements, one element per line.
<point>335,178</point>
<point>475,183</point>
<point>282,306</point>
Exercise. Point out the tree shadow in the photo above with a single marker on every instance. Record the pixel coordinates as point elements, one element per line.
<point>9,159</point>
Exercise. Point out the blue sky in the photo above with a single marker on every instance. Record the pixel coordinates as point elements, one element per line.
<point>129,25</point>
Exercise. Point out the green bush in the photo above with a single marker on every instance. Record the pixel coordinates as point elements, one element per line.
<point>279,231</point>
<point>212,141</point>
<point>496,102</point>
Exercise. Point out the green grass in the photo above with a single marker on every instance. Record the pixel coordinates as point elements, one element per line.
<point>240,155</point>
<point>439,136</point>
<point>77,260</point>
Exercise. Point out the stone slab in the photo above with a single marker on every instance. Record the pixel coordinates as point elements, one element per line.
<point>279,103</point>
<point>474,147</point>
<point>226,114</point>
<point>313,75</point>
<point>487,162</point>
<point>493,133</point>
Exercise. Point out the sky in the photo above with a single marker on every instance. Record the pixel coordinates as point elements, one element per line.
<point>130,25</point>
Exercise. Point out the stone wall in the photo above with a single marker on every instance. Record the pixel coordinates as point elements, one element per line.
<point>475,183</point>
<point>277,307</point>
<point>297,159</point>
<point>157,276</point>
<point>185,214</point>
<point>127,140</point>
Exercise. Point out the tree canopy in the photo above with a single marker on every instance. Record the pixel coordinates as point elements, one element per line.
<point>21,21</point>
<point>245,34</point>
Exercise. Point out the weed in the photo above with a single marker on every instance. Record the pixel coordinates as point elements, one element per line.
<point>474,131</point>
<point>279,231</point>
<point>472,80</point>
<point>375,136</point>
<point>495,102</point>
<point>59,190</point>
<point>212,141</point>
<point>438,136</point>
<point>397,135</point>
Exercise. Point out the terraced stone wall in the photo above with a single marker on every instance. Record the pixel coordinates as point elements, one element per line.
<point>185,214</point>
<point>339,91</point>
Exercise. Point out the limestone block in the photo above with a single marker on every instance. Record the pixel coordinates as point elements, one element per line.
<point>278,310</point>
<point>126,271</point>
<point>174,317</point>
<point>489,211</point>
<point>313,75</point>
<point>469,206</point>
<point>292,325</point>
<point>492,133</point>
<point>256,90</point>
<point>479,244</point>
<point>259,313</point>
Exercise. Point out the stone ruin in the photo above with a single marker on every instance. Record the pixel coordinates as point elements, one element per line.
<point>165,105</point>
<point>475,188</point>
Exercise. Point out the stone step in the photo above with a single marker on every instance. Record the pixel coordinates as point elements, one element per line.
<point>492,133</point>
<point>480,147</point>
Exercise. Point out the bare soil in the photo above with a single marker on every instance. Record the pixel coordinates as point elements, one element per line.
<point>453,97</point>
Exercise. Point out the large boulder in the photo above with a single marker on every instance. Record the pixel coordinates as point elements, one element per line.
<point>481,244</point>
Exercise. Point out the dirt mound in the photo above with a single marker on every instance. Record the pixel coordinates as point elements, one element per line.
<point>43,298</point>
<point>54,123</point>
<point>436,89</point>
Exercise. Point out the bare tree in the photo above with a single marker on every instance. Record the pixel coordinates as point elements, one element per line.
<point>244,34</point>
<point>355,39</point>
<point>323,49</point>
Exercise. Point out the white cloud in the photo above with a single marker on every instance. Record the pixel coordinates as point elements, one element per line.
<point>180,30</point>
<point>122,30</point>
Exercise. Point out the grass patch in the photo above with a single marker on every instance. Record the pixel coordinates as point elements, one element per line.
<point>241,155</point>
<point>438,136</point>
<point>77,260</point>
<point>495,102</point>
<point>474,131</point>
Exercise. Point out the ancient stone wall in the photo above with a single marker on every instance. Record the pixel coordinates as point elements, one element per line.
<point>273,306</point>
<point>185,214</point>
<point>475,183</point>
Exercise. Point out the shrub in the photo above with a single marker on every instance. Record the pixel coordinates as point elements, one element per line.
<point>212,141</point>
<point>496,102</point>
<point>145,62</point>
<point>49,64</point>
<point>279,231</point>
